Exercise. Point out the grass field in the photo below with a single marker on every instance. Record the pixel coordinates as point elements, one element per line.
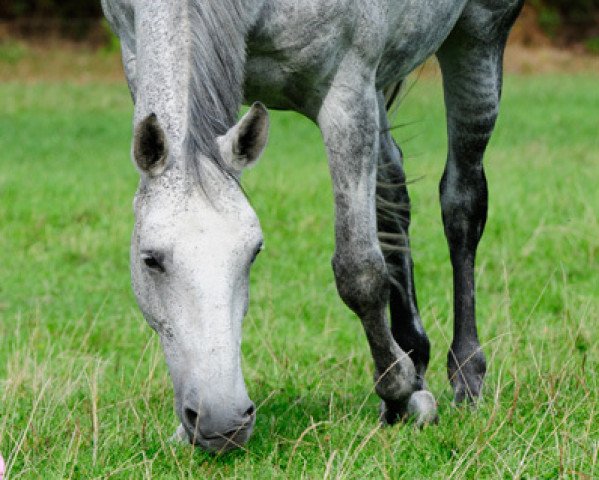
<point>84,391</point>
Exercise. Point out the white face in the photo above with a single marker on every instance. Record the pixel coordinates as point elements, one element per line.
<point>191,254</point>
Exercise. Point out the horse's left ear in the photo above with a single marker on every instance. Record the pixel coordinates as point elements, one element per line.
<point>243,144</point>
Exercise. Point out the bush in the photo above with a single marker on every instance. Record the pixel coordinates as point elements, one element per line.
<point>66,9</point>
<point>573,10</point>
<point>12,52</point>
<point>564,20</point>
<point>592,45</point>
<point>574,17</point>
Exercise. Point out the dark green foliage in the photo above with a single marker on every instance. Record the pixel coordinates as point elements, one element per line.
<point>576,11</point>
<point>550,21</point>
<point>112,42</point>
<point>572,10</point>
<point>566,20</point>
<point>12,52</point>
<point>592,45</point>
<point>570,20</point>
<point>67,9</point>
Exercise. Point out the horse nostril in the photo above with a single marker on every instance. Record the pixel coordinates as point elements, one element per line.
<point>250,411</point>
<point>192,417</point>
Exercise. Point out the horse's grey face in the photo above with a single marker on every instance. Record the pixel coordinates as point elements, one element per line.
<point>190,261</point>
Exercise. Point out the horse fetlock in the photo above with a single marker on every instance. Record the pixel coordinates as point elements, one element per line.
<point>466,369</point>
<point>397,382</point>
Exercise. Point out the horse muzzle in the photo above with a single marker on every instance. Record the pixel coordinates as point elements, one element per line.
<point>217,430</point>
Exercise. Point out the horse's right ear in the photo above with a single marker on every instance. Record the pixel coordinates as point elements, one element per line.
<point>149,146</point>
<point>243,144</point>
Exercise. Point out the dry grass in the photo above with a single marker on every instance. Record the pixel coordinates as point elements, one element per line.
<point>57,61</point>
<point>548,60</point>
<point>60,61</point>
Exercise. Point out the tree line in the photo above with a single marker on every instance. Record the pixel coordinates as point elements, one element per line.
<point>65,9</point>
<point>556,17</point>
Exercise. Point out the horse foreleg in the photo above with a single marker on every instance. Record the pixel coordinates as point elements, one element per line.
<point>393,219</point>
<point>349,123</point>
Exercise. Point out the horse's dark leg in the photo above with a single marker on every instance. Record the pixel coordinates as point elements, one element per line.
<point>393,218</point>
<point>349,123</point>
<point>471,62</point>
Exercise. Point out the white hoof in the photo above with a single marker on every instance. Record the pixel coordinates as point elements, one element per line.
<point>422,407</point>
<point>180,436</point>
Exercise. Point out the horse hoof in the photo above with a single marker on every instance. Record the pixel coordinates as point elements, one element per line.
<point>467,393</point>
<point>466,376</point>
<point>422,408</point>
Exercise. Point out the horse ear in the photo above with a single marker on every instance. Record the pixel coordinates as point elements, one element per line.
<point>243,144</point>
<point>149,146</point>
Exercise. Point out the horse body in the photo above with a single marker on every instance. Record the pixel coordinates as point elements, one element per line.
<point>189,65</point>
<point>295,48</point>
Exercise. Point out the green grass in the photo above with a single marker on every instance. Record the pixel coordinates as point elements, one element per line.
<point>84,391</point>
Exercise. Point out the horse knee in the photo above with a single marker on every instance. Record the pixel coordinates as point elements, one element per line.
<point>362,280</point>
<point>464,200</point>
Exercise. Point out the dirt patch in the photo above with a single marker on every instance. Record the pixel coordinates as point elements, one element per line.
<point>529,52</point>
<point>57,61</point>
<point>543,60</point>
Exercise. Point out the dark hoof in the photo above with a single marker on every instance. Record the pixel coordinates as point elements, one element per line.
<point>466,374</point>
<point>421,408</point>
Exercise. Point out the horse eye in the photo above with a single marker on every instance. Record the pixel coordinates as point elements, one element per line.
<point>257,251</point>
<point>152,261</point>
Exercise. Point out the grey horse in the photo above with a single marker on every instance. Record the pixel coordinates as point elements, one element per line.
<point>190,64</point>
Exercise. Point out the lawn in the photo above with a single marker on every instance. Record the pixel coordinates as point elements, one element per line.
<point>84,391</point>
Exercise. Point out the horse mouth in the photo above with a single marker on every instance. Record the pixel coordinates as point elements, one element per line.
<point>225,442</point>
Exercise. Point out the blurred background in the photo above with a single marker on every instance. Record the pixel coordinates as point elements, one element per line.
<point>46,39</point>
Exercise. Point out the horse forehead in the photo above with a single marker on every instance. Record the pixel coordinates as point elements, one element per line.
<point>191,214</point>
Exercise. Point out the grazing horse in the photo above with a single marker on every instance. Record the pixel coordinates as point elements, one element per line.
<point>190,64</point>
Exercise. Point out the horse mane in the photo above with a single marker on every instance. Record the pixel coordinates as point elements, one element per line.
<point>218,53</point>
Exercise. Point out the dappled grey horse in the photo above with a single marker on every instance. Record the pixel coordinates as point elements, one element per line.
<point>190,64</point>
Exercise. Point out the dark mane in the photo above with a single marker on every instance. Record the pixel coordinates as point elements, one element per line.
<point>218,52</point>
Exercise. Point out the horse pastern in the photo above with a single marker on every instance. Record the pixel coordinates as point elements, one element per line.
<point>467,386</point>
<point>466,372</point>
<point>467,391</point>
<point>390,414</point>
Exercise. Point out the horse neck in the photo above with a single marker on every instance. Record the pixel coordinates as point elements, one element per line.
<point>190,57</point>
<point>162,69</point>
<point>218,32</point>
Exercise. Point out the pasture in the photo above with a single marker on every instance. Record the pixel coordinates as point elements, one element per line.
<point>84,391</point>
